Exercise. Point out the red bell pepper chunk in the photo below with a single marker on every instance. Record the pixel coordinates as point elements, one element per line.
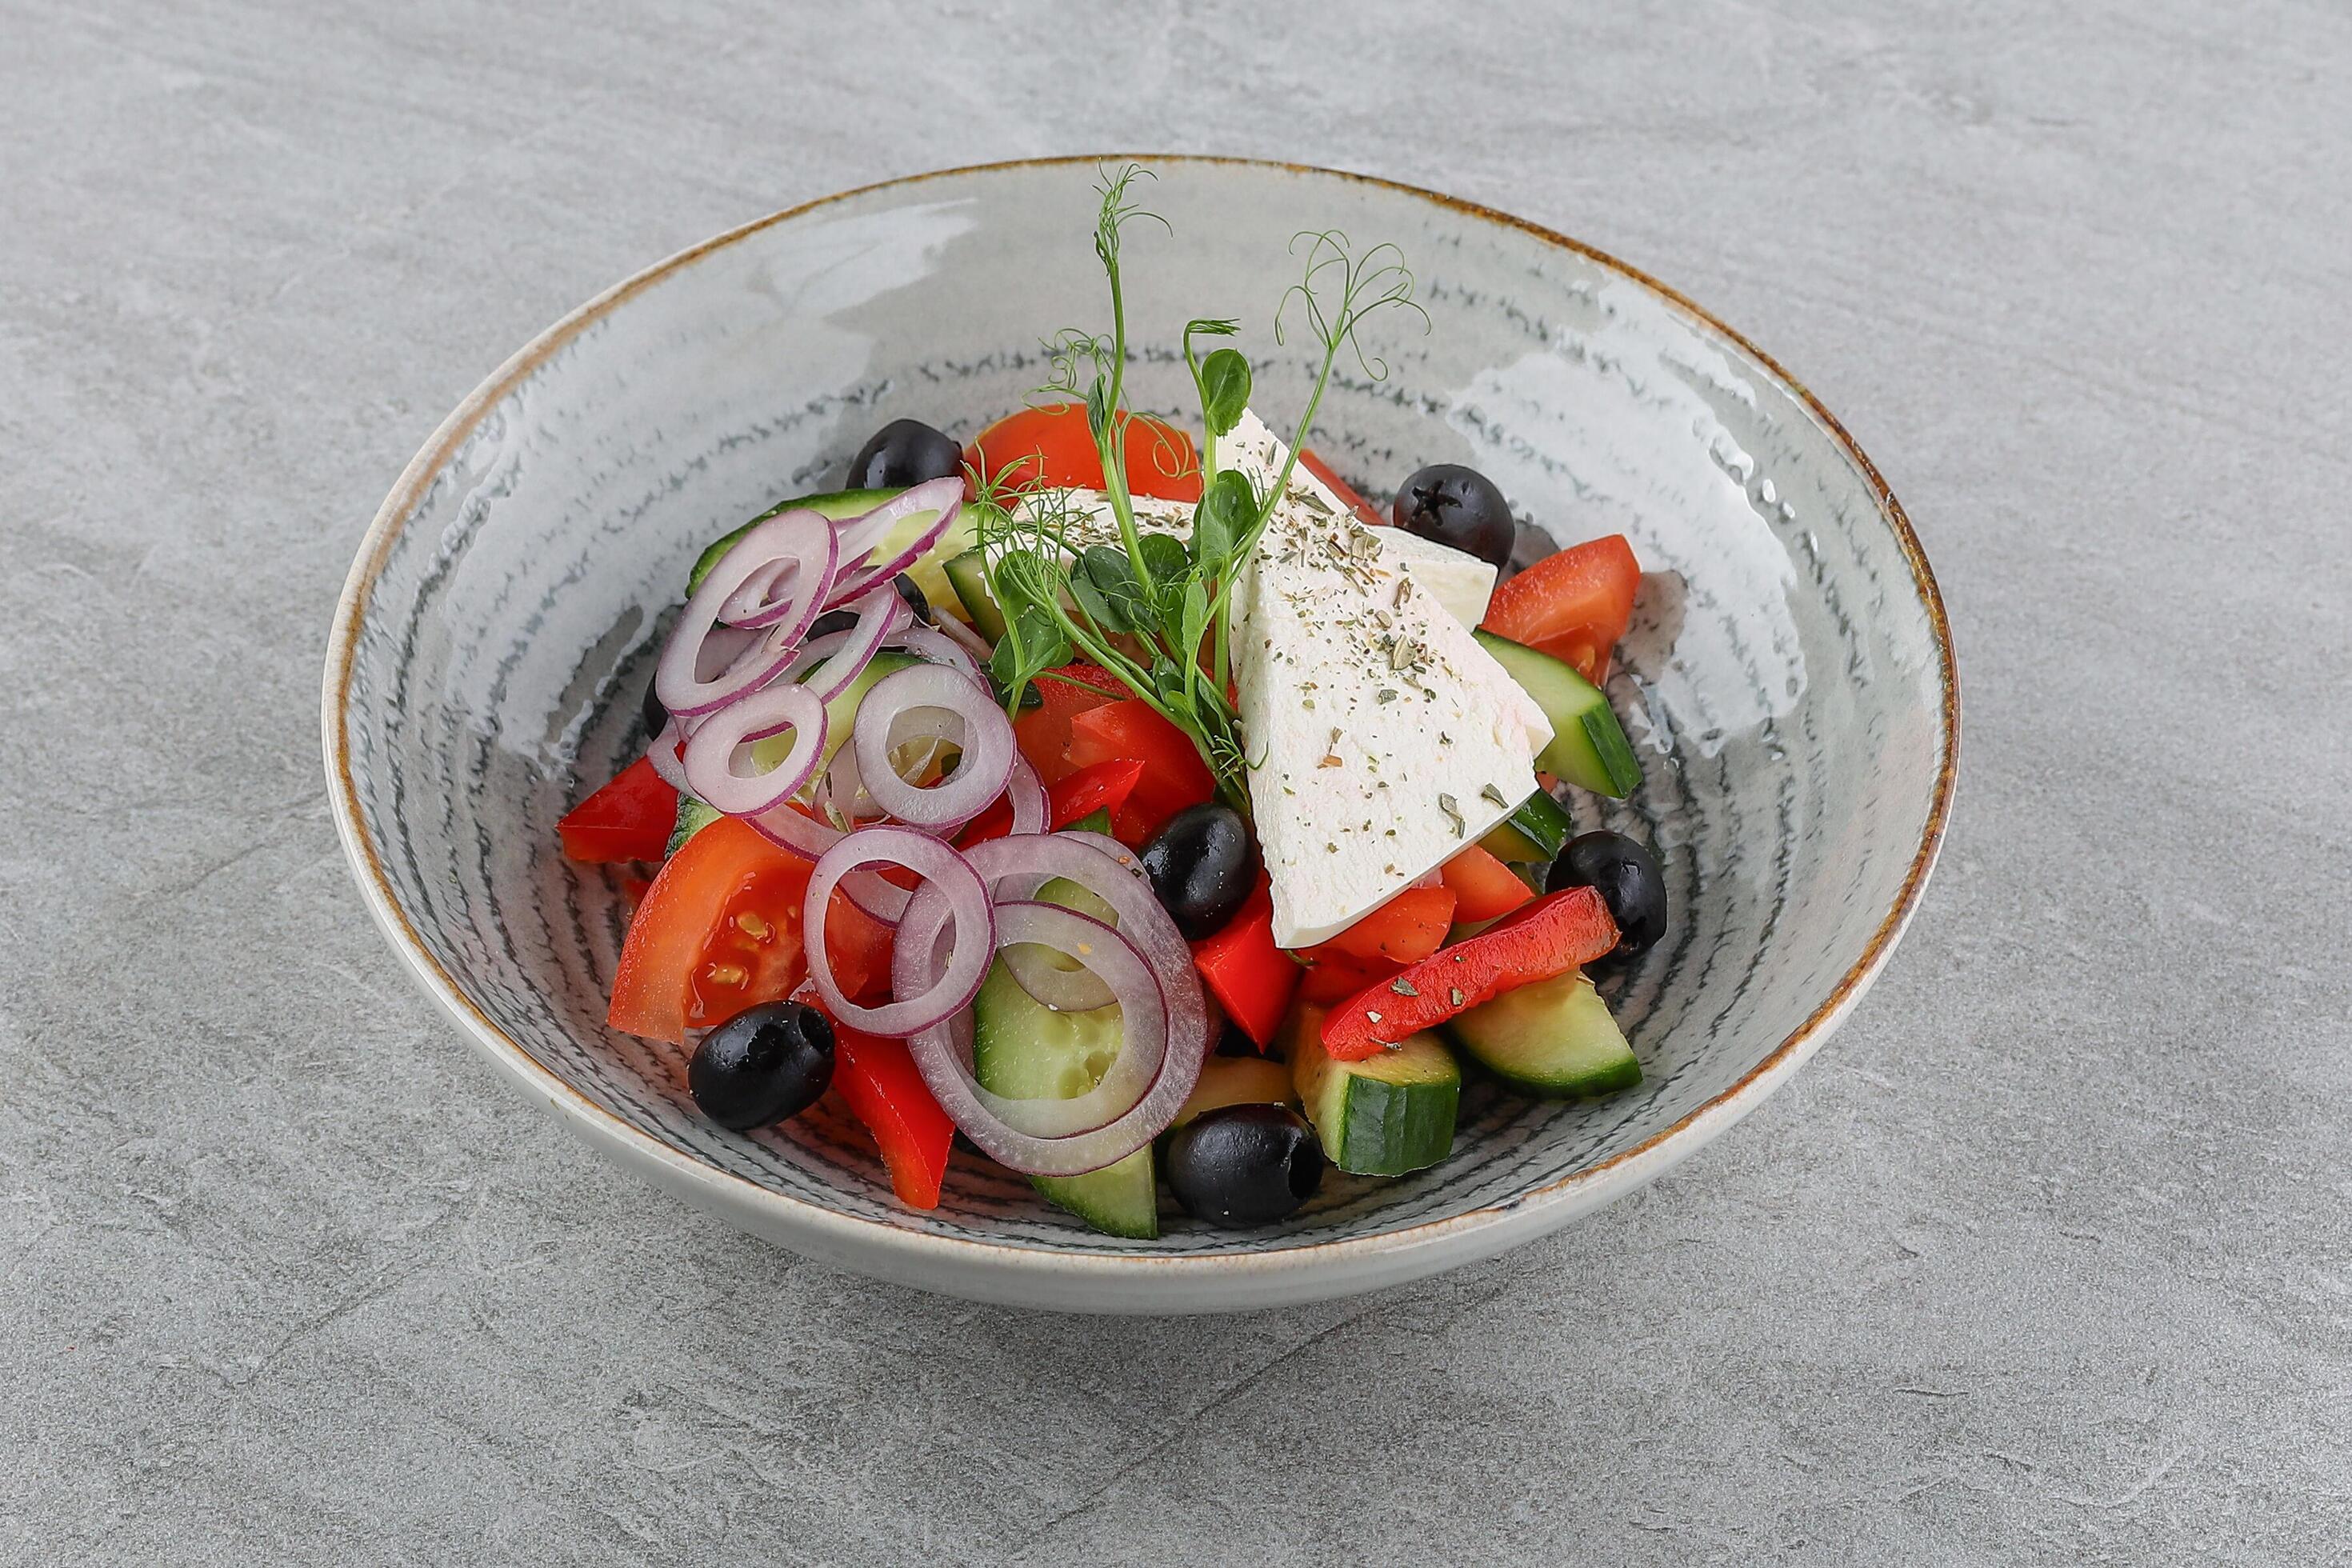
<point>1102,787</point>
<point>629,819</point>
<point>1483,887</point>
<point>1173,776</point>
<point>878,1080</point>
<point>1043,732</point>
<point>1334,976</point>
<point>1556,933</point>
<point>1573,605</point>
<point>1252,979</point>
<point>1409,926</point>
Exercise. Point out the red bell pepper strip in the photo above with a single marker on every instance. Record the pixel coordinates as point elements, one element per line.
<point>1252,979</point>
<point>1334,976</point>
<point>1409,927</point>
<point>1550,936</point>
<point>1102,787</point>
<point>1573,605</point>
<point>878,1080</point>
<point>1174,777</point>
<point>629,819</point>
<point>1483,887</point>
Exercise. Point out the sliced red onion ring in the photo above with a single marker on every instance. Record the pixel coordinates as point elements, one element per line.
<point>787,590</point>
<point>789,828</point>
<point>678,675</point>
<point>947,989</point>
<point>1042,973</point>
<point>861,536</point>
<point>826,664</point>
<point>942,1052</point>
<point>711,754</point>
<point>663,755</point>
<point>1027,792</point>
<point>936,646</point>
<point>930,700</point>
<point>970,641</point>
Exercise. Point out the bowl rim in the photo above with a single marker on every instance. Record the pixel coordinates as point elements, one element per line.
<point>1534,1211</point>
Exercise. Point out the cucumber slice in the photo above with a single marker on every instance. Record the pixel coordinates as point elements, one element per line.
<point>1588,747</point>
<point>928,570</point>
<point>1554,1039</point>
<point>1382,1116</point>
<point>1537,831</point>
<point>1238,1080</point>
<point>966,574</point>
<point>693,816</point>
<point>1022,1049</point>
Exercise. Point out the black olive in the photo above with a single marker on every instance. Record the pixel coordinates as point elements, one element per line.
<point>904,452</point>
<point>762,1065</point>
<point>1629,880</point>
<point>1458,506</point>
<point>1202,866</point>
<point>655,714</point>
<point>842,620</point>
<point>1244,1164</point>
<point>1236,1042</point>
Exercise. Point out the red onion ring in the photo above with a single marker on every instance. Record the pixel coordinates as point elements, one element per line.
<point>663,755</point>
<point>1122,975</point>
<point>679,679</point>
<point>802,834</point>
<point>710,753</point>
<point>826,664</point>
<point>926,643</point>
<point>805,576</point>
<point>946,990</point>
<point>970,641</point>
<point>890,714</point>
<point>861,536</point>
<point>941,1052</point>
<point>1027,792</point>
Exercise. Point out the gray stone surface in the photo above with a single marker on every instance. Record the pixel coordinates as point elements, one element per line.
<point>2046,1258</point>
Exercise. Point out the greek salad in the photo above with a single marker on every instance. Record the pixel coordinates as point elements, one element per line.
<point>1128,796</point>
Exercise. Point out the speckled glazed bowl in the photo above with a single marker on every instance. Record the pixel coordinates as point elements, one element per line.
<point>1787,681</point>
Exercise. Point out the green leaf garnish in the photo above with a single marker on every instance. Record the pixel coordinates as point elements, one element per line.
<point>1225,390</point>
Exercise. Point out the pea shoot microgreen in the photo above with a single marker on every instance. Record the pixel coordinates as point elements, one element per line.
<point>1153,610</point>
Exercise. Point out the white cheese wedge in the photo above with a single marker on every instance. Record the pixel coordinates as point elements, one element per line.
<point>1461,581</point>
<point>1382,739</point>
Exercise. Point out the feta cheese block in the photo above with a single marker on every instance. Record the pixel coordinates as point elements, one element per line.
<point>1461,581</point>
<point>1382,739</point>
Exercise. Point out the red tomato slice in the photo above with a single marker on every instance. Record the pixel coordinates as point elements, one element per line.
<point>1483,887</point>
<point>1174,776</point>
<point>1053,444</point>
<point>1408,927</point>
<point>1556,933</point>
<point>1043,732</point>
<point>878,1080</point>
<point>1252,979</point>
<point>719,930</point>
<point>1340,487</point>
<point>1573,605</point>
<point>629,819</point>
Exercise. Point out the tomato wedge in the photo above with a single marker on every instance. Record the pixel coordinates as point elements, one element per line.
<point>1573,605</point>
<point>1173,775</point>
<point>1054,443</point>
<point>1558,932</point>
<point>1409,927</point>
<point>629,819</point>
<point>1252,979</point>
<point>719,930</point>
<point>1340,487</point>
<point>1063,693</point>
<point>1483,887</point>
<point>883,1088</point>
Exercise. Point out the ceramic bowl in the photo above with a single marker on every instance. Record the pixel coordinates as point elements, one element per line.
<point>1787,681</point>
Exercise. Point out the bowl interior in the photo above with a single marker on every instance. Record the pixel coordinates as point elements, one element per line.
<point>1783,683</point>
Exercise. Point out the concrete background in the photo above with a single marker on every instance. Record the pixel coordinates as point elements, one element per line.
<point>2047,1259</point>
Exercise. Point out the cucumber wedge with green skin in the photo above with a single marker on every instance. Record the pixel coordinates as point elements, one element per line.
<point>1022,1049</point>
<point>1588,746</point>
<point>928,570</point>
<point>1382,1116</point>
<point>693,816</point>
<point>1554,1039</point>
<point>1236,1080</point>
<point>968,576</point>
<point>1536,832</point>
